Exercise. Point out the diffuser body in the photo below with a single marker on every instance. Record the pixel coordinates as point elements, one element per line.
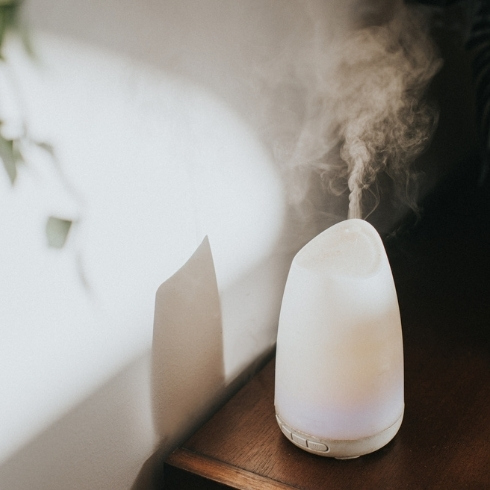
<point>339,362</point>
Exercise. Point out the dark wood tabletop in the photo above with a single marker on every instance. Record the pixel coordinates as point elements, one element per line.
<point>442,273</point>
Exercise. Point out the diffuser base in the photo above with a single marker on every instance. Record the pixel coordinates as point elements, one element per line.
<point>340,449</point>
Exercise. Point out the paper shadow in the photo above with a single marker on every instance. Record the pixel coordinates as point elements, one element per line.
<point>187,352</point>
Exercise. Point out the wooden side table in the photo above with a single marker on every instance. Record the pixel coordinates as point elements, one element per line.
<point>443,282</point>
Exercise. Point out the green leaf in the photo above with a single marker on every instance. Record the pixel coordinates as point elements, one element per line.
<point>9,156</point>
<point>9,14</point>
<point>57,230</point>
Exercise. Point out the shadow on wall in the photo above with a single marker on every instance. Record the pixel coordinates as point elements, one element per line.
<point>187,353</point>
<point>215,43</point>
<point>114,420</point>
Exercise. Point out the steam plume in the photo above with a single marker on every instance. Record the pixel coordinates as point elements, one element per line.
<point>363,108</point>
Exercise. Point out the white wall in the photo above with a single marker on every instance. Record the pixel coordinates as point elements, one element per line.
<point>153,111</point>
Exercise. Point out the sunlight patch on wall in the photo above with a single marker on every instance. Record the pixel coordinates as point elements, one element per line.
<point>154,163</point>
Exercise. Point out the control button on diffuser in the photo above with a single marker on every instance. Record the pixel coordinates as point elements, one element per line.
<point>317,446</point>
<point>299,440</point>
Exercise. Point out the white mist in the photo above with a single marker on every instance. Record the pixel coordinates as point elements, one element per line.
<point>339,366</point>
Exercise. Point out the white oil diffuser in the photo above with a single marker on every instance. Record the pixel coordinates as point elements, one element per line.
<point>339,361</point>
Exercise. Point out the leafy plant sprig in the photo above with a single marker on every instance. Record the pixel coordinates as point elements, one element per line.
<point>13,149</point>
